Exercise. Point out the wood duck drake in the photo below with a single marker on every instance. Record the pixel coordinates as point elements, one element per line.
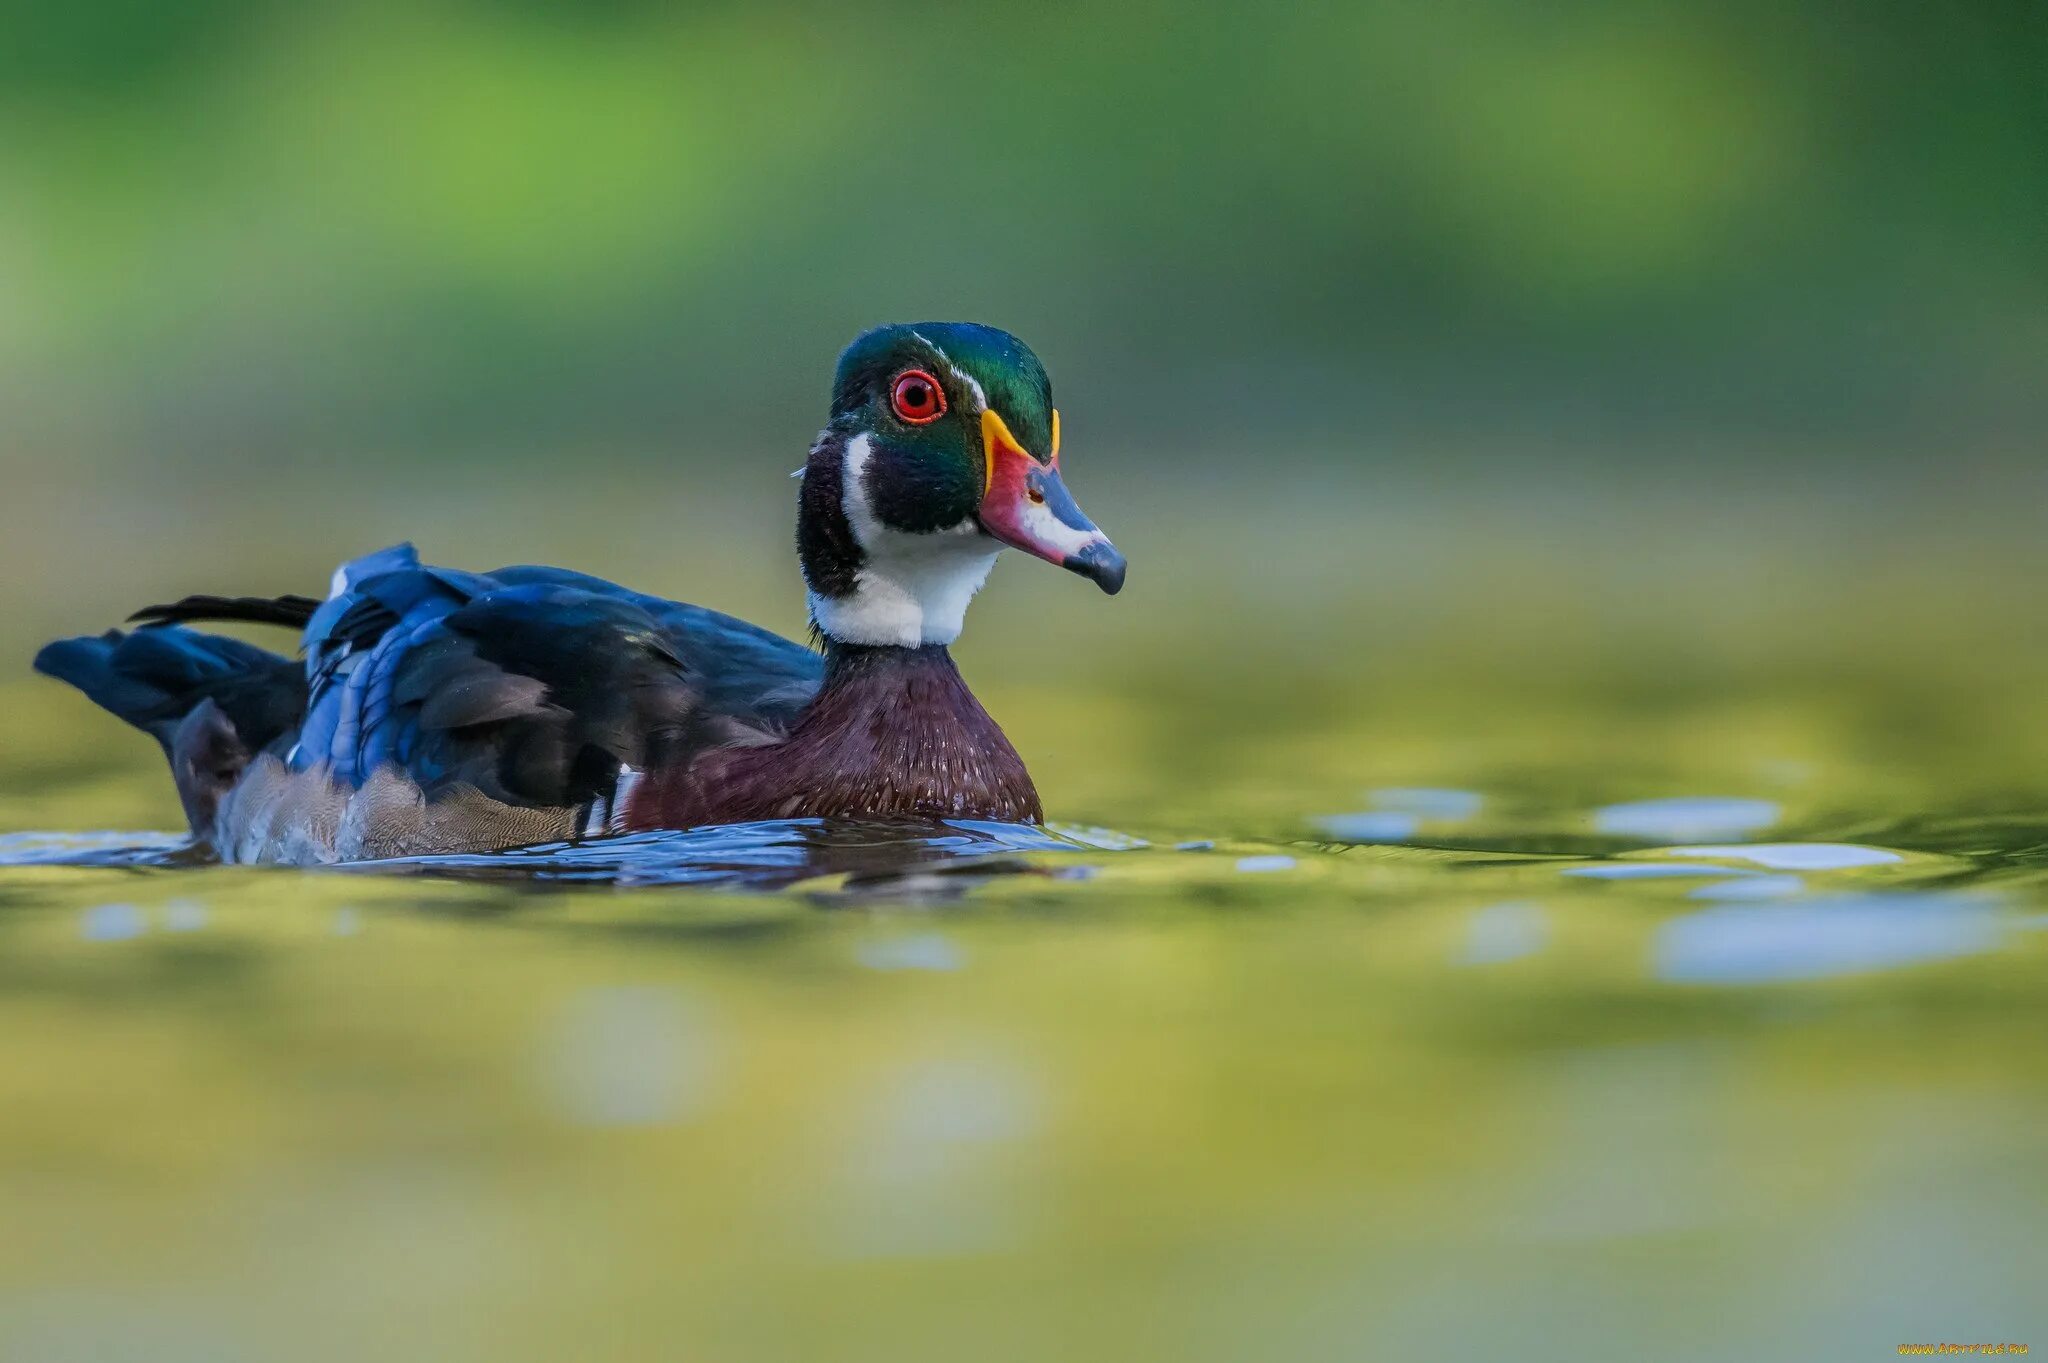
<point>439,710</point>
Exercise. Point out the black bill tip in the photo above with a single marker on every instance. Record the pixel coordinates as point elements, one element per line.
<point>1101,562</point>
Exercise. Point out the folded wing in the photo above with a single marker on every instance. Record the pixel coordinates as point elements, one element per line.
<point>533,686</point>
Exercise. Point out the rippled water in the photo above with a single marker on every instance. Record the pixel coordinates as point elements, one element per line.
<point>1681,1034</point>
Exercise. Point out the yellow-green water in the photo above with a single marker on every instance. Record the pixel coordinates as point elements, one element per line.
<point>1431,1046</point>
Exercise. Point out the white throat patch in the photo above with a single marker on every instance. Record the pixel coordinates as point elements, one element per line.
<point>913,589</point>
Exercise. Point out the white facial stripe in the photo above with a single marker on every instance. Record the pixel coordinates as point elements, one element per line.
<point>913,589</point>
<point>1037,521</point>
<point>853,489</point>
<point>959,374</point>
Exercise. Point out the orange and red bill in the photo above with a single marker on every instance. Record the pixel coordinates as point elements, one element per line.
<point>1026,505</point>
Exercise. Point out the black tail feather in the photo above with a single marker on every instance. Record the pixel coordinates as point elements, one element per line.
<point>88,664</point>
<point>154,677</point>
<point>290,611</point>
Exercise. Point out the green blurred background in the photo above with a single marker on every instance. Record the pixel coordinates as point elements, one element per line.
<point>237,233</point>
<point>1714,323</point>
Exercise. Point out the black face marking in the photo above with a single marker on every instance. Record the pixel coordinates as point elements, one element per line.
<point>917,491</point>
<point>825,545</point>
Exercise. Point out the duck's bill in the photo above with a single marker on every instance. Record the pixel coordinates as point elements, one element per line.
<point>1027,506</point>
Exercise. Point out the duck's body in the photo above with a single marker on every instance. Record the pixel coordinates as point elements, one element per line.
<point>439,710</point>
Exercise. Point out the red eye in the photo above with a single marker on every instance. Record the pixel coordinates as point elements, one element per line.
<point>917,397</point>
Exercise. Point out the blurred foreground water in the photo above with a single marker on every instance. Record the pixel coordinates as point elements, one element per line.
<point>1640,955</point>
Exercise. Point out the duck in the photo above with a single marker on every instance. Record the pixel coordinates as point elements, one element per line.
<point>435,710</point>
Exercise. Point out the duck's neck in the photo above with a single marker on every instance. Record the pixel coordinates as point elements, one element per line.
<point>909,699</point>
<point>893,731</point>
<point>872,582</point>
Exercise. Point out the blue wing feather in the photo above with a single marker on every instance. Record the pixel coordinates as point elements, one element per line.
<point>529,682</point>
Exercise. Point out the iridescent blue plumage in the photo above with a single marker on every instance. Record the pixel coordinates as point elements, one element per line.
<point>532,684</point>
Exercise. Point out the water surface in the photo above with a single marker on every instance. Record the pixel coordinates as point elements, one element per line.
<point>1687,1027</point>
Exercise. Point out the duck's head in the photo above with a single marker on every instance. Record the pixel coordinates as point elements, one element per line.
<point>942,449</point>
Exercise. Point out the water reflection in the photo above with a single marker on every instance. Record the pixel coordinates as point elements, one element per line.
<point>1752,887</point>
<point>921,858</point>
<point>923,951</point>
<point>1398,813</point>
<point>917,859</point>
<point>1652,870</point>
<point>1767,911</point>
<point>1505,932</point>
<point>1685,819</point>
<point>1835,935</point>
<point>628,1056</point>
<point>92,849</point>
<point>112,923</point>
<point>1798,856</point>
<point>1371,826</point>
<point>1428,802</point>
